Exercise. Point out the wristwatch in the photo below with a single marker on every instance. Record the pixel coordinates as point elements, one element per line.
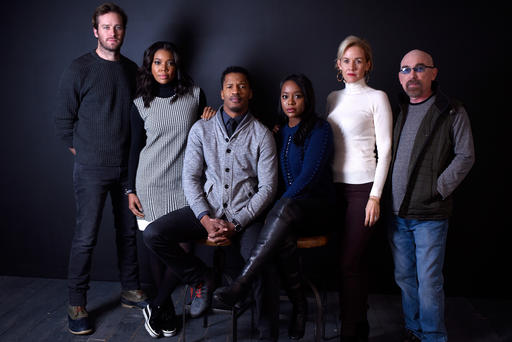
<point>238,226</point>
<point>129,191</point>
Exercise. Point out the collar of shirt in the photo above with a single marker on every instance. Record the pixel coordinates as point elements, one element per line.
<point>226,117</point>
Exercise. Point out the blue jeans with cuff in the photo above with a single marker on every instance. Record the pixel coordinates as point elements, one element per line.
<point>418,249</point>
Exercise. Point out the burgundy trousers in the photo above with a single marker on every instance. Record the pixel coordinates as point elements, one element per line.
<point>354,239</point>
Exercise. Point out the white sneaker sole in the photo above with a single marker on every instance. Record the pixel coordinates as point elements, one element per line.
<point>169,333</point>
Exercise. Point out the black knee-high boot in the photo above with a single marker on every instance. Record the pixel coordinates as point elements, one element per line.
<point>292,279</point>
<point>273,233</point>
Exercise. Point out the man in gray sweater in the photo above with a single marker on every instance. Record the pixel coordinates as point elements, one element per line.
<point>432,153</point>
<point>229,179</point>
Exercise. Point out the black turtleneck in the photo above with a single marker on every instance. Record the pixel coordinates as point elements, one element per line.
<point>165,90</point>
<point>138,133</point>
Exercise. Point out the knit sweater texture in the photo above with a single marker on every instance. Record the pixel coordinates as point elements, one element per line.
<point>305,170</point>
<point>93,106</point>
<point>361,120</point>
<point>230,176</point>
<point>399,174</point>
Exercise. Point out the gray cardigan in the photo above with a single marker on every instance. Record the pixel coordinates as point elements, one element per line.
<point>235,177</point>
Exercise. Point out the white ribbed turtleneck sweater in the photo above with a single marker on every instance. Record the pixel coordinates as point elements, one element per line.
<point>361,120</point>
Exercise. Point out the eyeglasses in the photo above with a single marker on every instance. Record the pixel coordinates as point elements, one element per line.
<point>417,68</point>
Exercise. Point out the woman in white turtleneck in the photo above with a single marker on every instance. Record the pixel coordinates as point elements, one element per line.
<point>361,121</point>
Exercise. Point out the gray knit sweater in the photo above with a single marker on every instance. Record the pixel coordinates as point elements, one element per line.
<point>233,176</point>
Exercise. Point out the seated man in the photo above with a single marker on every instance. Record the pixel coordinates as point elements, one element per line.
<point>229,178</point>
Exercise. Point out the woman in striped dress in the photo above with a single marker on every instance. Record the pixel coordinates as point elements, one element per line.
<point>166,106</point>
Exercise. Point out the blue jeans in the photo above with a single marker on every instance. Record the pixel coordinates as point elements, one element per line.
<point>418,249</point>
<point>92,185</point>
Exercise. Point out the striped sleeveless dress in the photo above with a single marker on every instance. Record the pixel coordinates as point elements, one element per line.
<point>158,180</point>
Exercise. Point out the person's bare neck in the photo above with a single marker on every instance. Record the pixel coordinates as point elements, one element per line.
<point>108,55</point>
<point>233,114</point>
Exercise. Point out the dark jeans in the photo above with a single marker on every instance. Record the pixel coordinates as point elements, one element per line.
<point>355,237</point>
<point>92,184</point>
<point>163,236</point>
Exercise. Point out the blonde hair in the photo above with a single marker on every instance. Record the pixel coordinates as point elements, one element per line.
<point>355,41</point>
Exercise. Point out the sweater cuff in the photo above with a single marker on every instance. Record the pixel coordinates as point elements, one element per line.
<point>243,217</point>
<point>200,208</point>
<point>68,141</point>
<point>200,216</point>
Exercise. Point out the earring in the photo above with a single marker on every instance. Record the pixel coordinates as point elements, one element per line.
<point>339,76</point>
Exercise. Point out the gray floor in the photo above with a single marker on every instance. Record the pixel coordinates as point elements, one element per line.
<point>33,309</point>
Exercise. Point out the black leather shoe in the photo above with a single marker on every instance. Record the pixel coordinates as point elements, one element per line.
<point>229,295</point>
<point>363,331</point>
<point>410,337</point>
<point>297,326</point>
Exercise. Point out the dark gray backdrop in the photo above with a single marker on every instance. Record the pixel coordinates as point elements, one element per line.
<point>271,39</point>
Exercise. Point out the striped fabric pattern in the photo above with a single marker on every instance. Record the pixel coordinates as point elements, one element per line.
<point>158,180</point>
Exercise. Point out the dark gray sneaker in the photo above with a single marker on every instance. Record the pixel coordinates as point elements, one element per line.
<point>78,320</point>
<point>134,299</point>
<point>202,297</point>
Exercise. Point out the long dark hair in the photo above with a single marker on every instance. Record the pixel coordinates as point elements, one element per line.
<point>146,84</point>
<point>309,117</point>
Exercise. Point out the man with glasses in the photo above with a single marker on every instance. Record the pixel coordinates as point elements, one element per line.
<point>432,153</point>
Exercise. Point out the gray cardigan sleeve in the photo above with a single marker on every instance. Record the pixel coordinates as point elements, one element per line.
<point>193,170</point>
<point>267,182</point>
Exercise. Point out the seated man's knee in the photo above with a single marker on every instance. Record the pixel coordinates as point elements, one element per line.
<point>151,234</point>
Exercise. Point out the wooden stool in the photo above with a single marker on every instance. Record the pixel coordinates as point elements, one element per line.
<point>218,269</point>
<point>316,241</point>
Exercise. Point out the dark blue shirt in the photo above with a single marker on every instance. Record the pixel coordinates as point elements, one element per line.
<point>226,117</point>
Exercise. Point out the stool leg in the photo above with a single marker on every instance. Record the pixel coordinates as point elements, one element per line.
<point>252,319</point>
<point>319,321</point>
<point>205,320</point>
<point>218,269</point>
<point>234,323</point>
<point>184,313</point>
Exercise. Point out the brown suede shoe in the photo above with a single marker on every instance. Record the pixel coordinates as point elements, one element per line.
<point>134,299</point>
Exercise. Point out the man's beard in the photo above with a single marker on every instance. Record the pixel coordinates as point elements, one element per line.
<point>416,91</point>
<point>116,48</point>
